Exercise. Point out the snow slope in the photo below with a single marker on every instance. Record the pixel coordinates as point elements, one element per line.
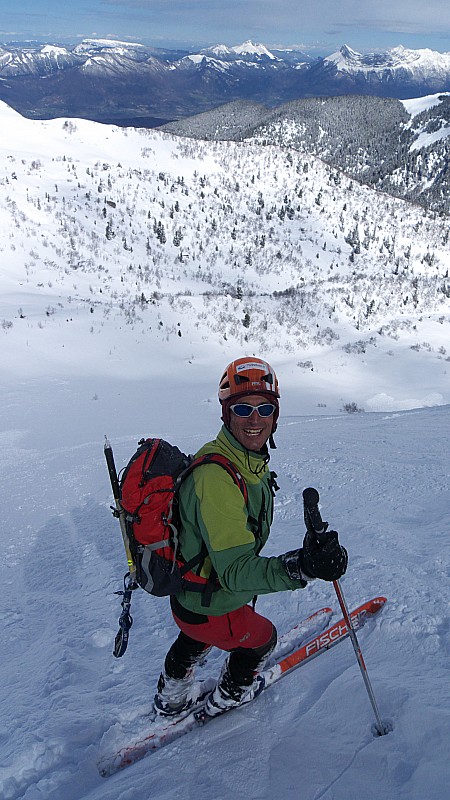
<point>425,138</point>
<point>348,287</point>
<point>383,480</point>
<point>419,104</point>
<point>383,477</point>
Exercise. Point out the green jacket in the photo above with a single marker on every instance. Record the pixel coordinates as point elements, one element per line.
<point>212,510</point>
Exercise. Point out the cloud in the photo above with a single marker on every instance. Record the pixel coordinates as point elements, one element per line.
<point>370,23</point>
<point>409,14</point>
<point>232,21</point>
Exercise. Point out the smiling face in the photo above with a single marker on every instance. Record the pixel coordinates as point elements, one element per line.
<point>251,432</point>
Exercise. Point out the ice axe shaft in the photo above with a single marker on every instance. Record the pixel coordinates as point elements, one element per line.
<point>118,511</point>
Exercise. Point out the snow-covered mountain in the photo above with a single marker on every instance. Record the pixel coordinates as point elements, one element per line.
<point>36,60</point>
<point>398,65</point>
<point>110,58</point>
<point>112,80</point>
<point>134,266</point>
<point>399,147</point>
<point>231,61</point>
<point>248,51</point>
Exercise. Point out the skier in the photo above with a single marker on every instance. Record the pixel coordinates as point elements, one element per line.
<point>215,520</point>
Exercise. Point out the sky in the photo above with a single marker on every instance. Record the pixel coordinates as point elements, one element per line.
<point>315,25</point>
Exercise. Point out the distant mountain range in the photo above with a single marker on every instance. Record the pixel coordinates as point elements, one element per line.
<point>131,84</point>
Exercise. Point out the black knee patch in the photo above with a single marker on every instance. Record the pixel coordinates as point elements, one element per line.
<point>184,653</point>
<point>244,662</point>
<point>266,649</point>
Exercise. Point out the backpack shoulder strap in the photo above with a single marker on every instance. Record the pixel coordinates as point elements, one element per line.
<point>226,464</point>
<point>222,461</point>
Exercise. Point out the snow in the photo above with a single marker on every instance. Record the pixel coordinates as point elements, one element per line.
<point>212,62</point>
<point>383,477</point>
<point>383,480</point>
<point>249,48</point>
<point>53,50</point>
<point>419,104</point>
<point>425,139</point>
<point>220,49</point>
<point>110,44</point>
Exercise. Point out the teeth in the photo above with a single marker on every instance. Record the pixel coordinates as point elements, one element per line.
<point>253,433</point>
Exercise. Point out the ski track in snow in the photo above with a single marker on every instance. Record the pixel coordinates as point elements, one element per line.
<point>383,480</point>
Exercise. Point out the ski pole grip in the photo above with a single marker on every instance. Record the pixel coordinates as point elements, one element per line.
<point>311,497</point>
<point>313,520</point>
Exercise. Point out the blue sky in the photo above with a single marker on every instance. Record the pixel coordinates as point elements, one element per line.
<point>321,24</point>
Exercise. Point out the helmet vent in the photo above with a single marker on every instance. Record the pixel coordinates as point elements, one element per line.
<point>241,379</point>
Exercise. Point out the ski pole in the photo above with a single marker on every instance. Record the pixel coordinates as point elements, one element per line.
<point>316,526</point>
<point>129,581</point>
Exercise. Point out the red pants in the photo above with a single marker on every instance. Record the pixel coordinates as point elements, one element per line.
<point>241,628</point>
<point>249,636</point>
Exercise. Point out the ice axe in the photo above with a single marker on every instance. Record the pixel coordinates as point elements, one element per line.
<point>129,581</point>
<point>318,528</point>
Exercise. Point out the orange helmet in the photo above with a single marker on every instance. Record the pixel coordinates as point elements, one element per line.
<point>248,376</point>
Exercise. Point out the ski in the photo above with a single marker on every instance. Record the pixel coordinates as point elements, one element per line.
<point>294,638</point>
<point>162,732</point>
<point>324,641</point>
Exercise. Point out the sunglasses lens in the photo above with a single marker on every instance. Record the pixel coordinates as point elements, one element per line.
<point>242,410</point>
<point>266,410</point>
<point>246,410</point>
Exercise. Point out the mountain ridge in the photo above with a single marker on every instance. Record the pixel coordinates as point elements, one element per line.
<point>106,80</point>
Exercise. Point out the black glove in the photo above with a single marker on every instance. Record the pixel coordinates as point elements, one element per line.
<point>325,559</point>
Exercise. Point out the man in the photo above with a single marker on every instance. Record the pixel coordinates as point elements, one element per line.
<point>216,520</point>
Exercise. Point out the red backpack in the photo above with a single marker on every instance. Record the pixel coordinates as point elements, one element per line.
<point>148,496</point>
